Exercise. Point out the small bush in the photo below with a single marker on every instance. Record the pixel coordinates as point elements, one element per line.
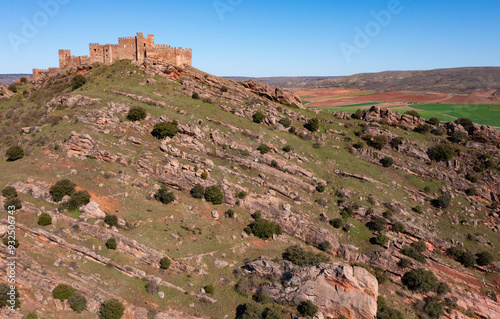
<point>385,312</point>
<point>62,292</point>
<point>291,130</point>
<point>287,148</point>
<point>24,80</point>
<point>165,129</point>
<point>264,229</point>
<point>78,199</point>
<point>77,302</point>
<point>164,196</point>
<point>300,257</point>
<point>411,252</point>
<point>152,288</point>
<point>195,96</point>
<point>274,163</point>
<point>378,224</point>
<point>381,276</point>
<point>439,131</point>
<point>249,310</point>
<point>484,258</point>
<point>443,288</point>
<point>399,228</point>
<point>257,215</point>
<point>418,209</point>
<point>459,137</point>
<point>13,202</point>
<point>471,191</point>
<point>111,220</point>
<point>465,122</point>
<point>413,113</point>
<point>320,188</point>
<point>263,148</point>
<point>337,222</point>
<point>420,280</point>
<point>242,195</point>
<point>14,153</point>
<point>229,213</point>
<point>324,246</point>
<point>44,219</point>
<point>434,121</point>
<point>378,142</point>
<point>204,175</point>
<point>404,263</point>
<point>467,259</point>
<point>209,289</point>
<point>165,263</point>
<point>111,244</point>
<point>32,315</point>
<point>214,195</point>
<point>224,89</point>
<point>136,113</point>
<point>5,296</point>
<point>357,115</point>
<point>111,309</point>
<point>307,308</point>
<point>9,192</point>
<point>441,153</point>
<point>423,128</point>
<point>13,88</point>
<point>433,307</point>
<point>443,201</point>
<point>419,246</point>
<point>380,240</point>
<point>258,117</point>
<point>78,81</point>
<point>471,178</point>
<point>395,142</point>
<point>312,125</point>
<point>286,122</point>
<point>62,188</point>
<point>387,161</point>
<point>7,241</point>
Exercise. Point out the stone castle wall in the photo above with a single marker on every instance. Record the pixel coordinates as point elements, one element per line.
<point>136,48</point>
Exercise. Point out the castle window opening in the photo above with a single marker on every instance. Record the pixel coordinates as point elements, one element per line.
<point>125,45</point>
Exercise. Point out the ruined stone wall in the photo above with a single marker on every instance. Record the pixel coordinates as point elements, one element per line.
<point>168,54</point>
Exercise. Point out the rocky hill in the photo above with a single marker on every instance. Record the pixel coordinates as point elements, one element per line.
<point>456,80</point>
<point>153,191</point>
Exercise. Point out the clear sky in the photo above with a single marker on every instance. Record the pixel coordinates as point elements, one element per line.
<point>263,38</point>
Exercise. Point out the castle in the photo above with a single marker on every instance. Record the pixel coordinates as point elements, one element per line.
<point>137,49</point>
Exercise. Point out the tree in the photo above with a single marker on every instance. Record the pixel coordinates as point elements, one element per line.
<point>78,81</point>
<point>395,142</point>
<point>423,128</point>
<point>78,199</point>
<point>195,96</point>
<point>111,220</point>
<point>165,129</point>
<point>307,308</point>
<point>387,161</point>
<point>5,295</point>
<point>434,121</point>
<point>264,229</point>
<point>285,121</point>
<point>111,244</point>
<point>465,122</point>
<point>399,228</point>
<point>484,258</point>
<point>62,292</point>
<point>209,289</point>
<point>438,131</point>
<point>419,246</point>
<point>358,114</point>
<point>214,194</point>
<point>14,153</point>
<point>249,310</point>
<point>411,252</point>
<point>9,192</point>
<point>324,246</point>
<point>300,257</point>
<point>312,125</point>
<point>380,240</point>
<point>378,142</point>
<point>164,196</point>
<point>287,148</point>
<point>258,117</point>
<point>111,309</point>
<point>420,280</point>
<point>165,263</point>
<point>136,113</point>
<point>441,152</point>
<point>404,263</point>
<point>378,224</point>
<point>13,88</point>
<point>77,302</point>
<point>443,201</point>
<point>467,259</point>
<point>433,307</point>
<point>8,241</point>
<point>263,148</point>
<point>443,288</point>
<point>459,137</point>
<point>62,188</point>
<point>44,219</point>
<point>198,191</point>
<point>24,80</point>
<point>336,222</point>
<point>413,113</point>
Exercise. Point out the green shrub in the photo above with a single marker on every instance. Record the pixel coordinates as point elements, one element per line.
<point>336,222</point>
<point>264,229</point>
<point>395,142</point>
<point>443,201</point>
<point>258,117</point>
<point>387,161</point>
<point>439,131</point>
<point>209,289</point>
<point>261,298</point>
<point>13,202</point>
<point>378,224</point>
<point>285,121</point>
<point>165,263</point>
<point>385,312</point>
<point>165,129</point>
<point>378,142</point>
<point>420,280</point>
<point>9,192</point>
<point>5,295</point>
<point>13,88</point>
<point>24,80</point>
<point>229,213</point>
<point>136,113</point>
<point>6,241</point>
<point>434,121</point>
<point>423,128</point>
<point>399,228</point>
<point>44,219</point>
<point>249,310</point>
<point>111,309</point>
<point>441,153</point>
<point>413,113</point>
<point>471,178</point>
<point>404,263</point>
<point>324,246</point>
<point>224,89</point>
<point>312,125</point>
<point>307,308</point>
<point>274,163</point>
<point>32,315</point>
<point>214,194</point>
<point>77,302</point>
<point>111,220</point>
<point>458,137</point>
<point>357,115</point>
<point>418,209</point>
<point>62,292</point>
<point>381,276</point>
<point>411,252</point>
<point>263,148</point>
<point>380,240</point>
<point>111,244</point>
<point>419,246</point>
<point>300,257</point>
<point>320,188</point>
<point>204,175</point>
<point>164,196</point>
<point>443,288</point>
<point>467,259</point>
<point>62,188</point>
<point>14,153</point>
<point>78,199</point>
<point>291,130</point>
<point>484,258</point>
<point>78,81</point>
<point>287,148</point>
<point>433,307</point>
<point>465,122</point>
<point>471,191</point>
<point>242,195</point>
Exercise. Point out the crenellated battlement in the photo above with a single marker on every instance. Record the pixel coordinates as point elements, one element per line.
<point>136,48</point>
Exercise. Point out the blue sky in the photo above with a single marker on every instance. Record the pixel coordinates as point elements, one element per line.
<point>263,38</point>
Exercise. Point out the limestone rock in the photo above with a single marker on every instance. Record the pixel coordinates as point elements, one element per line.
<point>3,230</point>
<point>277,95</point>
<point>92,210</point>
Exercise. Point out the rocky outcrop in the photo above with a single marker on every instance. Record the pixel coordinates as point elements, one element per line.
<point>277,95</point>
<point>92,210</point>
<point>84,145</point>
<point>485,134</point>
<point>336,288</point>
<point>71,100</point>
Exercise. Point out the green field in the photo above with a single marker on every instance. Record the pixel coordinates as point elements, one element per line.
<point>483,114</point>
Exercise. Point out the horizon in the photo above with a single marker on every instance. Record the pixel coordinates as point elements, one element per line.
<point>261,39</point>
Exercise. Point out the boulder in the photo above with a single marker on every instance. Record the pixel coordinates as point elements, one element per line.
<point>92,210</point>
<point>277,95</point>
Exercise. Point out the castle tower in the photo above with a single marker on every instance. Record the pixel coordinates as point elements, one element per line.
<point>64,57</point>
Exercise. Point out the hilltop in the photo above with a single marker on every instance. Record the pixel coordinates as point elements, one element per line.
<point>194,196</point>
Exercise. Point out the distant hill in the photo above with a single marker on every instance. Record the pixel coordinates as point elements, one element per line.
<point>456,80</point>
<point>9,78</point>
